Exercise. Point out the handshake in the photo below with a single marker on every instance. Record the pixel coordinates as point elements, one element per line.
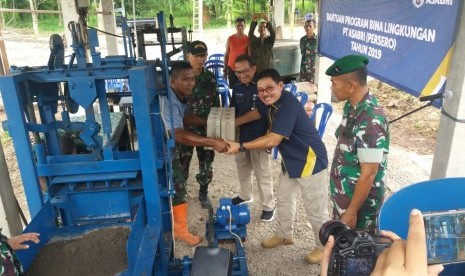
<point>225,146</point>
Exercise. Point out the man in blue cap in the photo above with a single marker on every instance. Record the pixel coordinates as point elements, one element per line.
<point>358,171</point>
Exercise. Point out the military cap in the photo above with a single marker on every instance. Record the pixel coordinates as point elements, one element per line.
<point>346,65</point>
<point>197,47</point>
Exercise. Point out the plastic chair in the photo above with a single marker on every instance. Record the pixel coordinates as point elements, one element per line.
<point>327,110</point>
<point>303,97</point>
<point>216,67</point>
<point>433,195</point>
<point>216,57</point>
<point>290,87</point>
<point>223,90</point>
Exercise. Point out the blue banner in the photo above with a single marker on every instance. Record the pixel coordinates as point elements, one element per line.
<point>409,42</point>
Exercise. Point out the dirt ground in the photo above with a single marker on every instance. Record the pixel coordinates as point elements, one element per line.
<point>410,158</point>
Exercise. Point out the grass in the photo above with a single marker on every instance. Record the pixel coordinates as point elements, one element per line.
<point>47,23</point>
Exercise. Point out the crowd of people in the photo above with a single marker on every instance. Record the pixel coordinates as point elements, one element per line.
<point>267,116</point>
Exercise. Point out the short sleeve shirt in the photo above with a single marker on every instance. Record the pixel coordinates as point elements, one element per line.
<point>302,150</point>
<point>179,109</point>
<point>363,137</point>
<point>244,99</point>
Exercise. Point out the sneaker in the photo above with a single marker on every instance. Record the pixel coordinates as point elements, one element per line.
<point>276,241</point>
<point>315,256</point>
<point>205,201</point>
<point>267,215</point>
<point>238,201</point>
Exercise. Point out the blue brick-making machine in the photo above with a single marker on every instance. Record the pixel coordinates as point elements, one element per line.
<point>111,182</point>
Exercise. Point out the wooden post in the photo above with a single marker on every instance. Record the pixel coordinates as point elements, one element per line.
<point>8,200</point>
<point>106,16</point>
<point>4,65</point>
<point>69,14</point>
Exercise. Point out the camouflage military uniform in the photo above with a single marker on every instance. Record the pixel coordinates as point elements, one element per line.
<point>9,263</point>
<point>204,97</point>
<point>308,47</point>
<point>363,137</point>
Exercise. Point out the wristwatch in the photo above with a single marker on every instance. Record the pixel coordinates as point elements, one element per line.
<point>241,147</point>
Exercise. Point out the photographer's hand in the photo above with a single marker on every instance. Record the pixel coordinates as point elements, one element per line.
<point>406,257</point>
<point>326,256</point>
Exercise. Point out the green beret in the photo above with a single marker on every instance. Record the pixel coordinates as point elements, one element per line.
<point>346,65</point>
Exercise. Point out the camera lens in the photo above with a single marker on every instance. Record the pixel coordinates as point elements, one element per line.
<point>331,227</point>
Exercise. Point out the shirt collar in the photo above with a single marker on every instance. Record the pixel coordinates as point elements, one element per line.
<point>365,102</point>
<point>183,101</point>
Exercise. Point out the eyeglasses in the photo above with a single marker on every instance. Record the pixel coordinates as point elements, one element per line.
<point>267,89</point>
<point>245,71</point>
<point>201,55</point>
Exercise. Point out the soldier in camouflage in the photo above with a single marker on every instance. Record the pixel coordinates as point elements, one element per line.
<point>358,172</point>
<point>308,50</point>
<point>204,97</point>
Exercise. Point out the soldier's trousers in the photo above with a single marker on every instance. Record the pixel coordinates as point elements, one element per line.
<point>179,181</point>
<point>205,157</point>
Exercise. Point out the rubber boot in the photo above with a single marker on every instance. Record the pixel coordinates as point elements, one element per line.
<point>181,232</point>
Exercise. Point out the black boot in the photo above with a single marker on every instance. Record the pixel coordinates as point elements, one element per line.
<point>203,197</point>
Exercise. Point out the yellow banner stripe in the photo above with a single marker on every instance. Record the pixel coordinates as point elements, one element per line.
<point>437,79</point>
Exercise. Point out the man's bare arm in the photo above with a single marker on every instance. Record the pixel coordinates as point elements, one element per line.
<point>191,139</point>
<point>194,120</point>
<point>248,117</point>
<point>265,142</point>
<point>226,57</point>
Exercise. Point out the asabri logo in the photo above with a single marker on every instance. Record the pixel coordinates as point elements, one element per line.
<point>419,3</point>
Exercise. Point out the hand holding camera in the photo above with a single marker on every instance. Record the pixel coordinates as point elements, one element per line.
<point>346,251</point>
<point>354,252</point>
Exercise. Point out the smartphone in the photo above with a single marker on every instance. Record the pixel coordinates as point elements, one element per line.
<point>445,236</point>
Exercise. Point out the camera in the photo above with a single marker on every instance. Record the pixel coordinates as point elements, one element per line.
<point>355,251</point>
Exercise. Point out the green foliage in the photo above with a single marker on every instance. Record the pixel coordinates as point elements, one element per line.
<point>219,10</point>
<point>308,7</point>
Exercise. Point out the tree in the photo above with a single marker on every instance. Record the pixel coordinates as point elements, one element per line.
<point>35,18</point>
